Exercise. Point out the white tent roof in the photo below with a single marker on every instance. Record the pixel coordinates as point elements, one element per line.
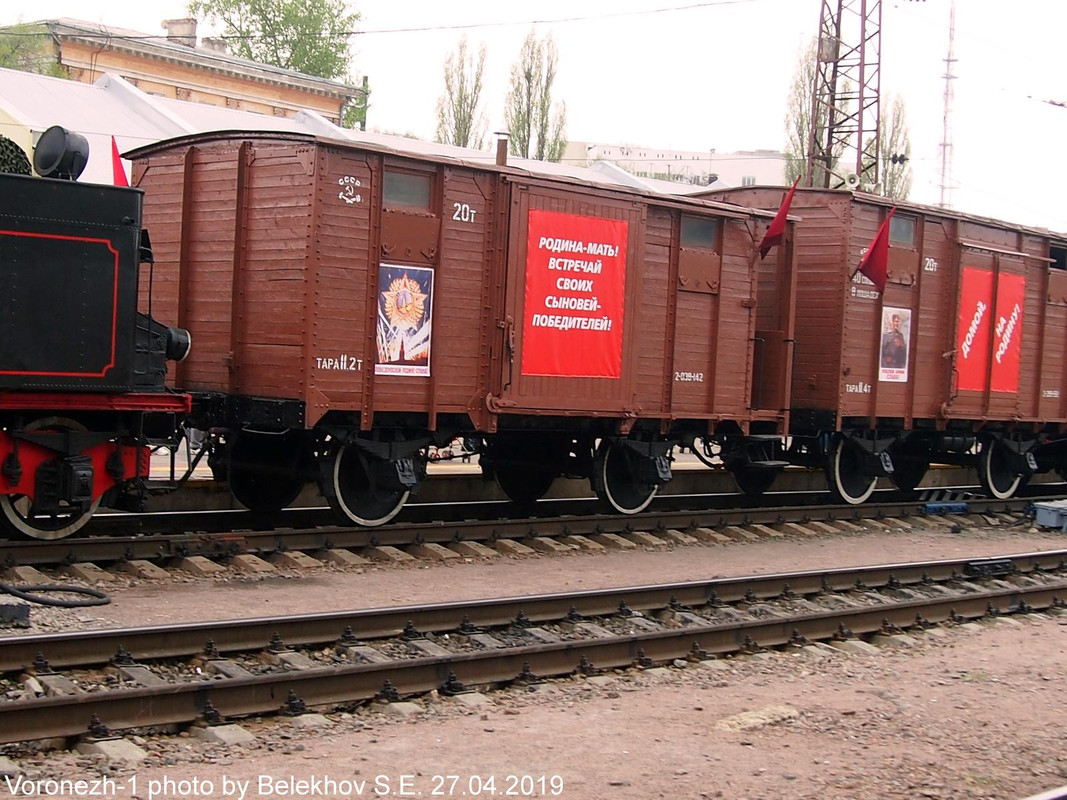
<point>114,107</point>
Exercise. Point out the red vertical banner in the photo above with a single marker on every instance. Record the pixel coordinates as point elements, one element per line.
<point>973,329</point>
<point>1008,333</point>
<point>575,296</point>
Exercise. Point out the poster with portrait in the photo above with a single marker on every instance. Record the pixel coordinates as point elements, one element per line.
<point>405,320</point>
<point>896,335</point>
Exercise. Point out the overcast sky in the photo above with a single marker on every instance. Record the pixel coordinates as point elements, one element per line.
<point>715,75</point>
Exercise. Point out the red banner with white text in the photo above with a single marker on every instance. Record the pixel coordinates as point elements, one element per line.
<point>575,296</point>
<point>1008,333</point>
<point>973,329</point>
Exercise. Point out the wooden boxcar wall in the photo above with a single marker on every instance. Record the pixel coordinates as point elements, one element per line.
<point>689,315</point>
<point>270,250</point>
<point>840,321</point>
<point>934,281</point>
<point>212,210</point>
<point>820,247</point>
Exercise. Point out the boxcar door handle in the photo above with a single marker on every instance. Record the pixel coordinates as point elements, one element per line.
<point>509,342</point>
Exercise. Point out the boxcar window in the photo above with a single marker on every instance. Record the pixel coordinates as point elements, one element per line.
<point>902,231</point>
<point>1058,257</point>
<point>406,189</point>
<point>700,232</point>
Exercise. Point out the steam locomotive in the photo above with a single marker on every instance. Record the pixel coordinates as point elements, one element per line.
<point>82,371</point>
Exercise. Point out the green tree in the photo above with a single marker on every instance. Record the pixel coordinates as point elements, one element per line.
<point>894,156</point>
<point>460,119</point>
<point>535,126</point>
<point>29,48</point>
<point>798,118</point>
<point>309,36</point>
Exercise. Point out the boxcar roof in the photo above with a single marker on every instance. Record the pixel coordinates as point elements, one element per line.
<point>904,205</point>
<point>478,159</point>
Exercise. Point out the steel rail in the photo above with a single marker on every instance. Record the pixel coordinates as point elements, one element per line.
<point>90,648</point>
<point>186,703</point>
<point>157,546</point>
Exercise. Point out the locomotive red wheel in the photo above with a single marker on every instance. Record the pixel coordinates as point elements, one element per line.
<point>844,472</point>
<point>754,481</point>
<point>354,492</point>
<point>995,473</point>
<point>16,510</point>
<point>616,481</point>
<point>262,470</point>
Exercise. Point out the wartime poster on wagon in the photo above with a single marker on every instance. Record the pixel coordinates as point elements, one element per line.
<point>896,333</point>
<point>575,296</point>
<point>405,320</point>
<point>983,331</point>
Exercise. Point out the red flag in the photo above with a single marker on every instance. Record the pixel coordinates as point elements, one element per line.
<point>117,170</point>
<point>776,230</point>
<point>873,263</point>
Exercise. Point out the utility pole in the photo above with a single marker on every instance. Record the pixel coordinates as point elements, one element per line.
<point>946,130</point>
<point>845,105</point>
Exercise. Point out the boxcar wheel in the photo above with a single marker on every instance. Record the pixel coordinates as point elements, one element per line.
<point>262,470</point>
<point>995,474</point>
<point>844,472</point>
<point>523,486</point>
<point>16,513</point>
<point>908,473</point>
<point>754,481</point>
<point>355,494</point>
<point>616,479</point>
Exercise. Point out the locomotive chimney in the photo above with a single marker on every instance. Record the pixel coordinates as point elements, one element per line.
<point>501,148</point>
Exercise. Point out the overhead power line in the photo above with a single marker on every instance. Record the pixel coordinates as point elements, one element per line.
<point>458,26</point>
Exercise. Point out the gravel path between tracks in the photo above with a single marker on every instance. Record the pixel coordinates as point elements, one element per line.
<point>972,712</point>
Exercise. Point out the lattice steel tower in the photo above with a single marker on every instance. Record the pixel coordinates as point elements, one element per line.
<point>843,135</point>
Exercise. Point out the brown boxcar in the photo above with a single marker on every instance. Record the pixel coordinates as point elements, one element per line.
<point>353,304</point>
<point>960,360</point>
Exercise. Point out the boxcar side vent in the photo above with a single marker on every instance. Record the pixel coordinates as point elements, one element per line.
<point>1058,257</point>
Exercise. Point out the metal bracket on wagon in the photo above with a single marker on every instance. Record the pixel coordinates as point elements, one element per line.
<point>876,458</point>
<point>655,467</point>
<point>1020,455</point>
<point>385,451</point>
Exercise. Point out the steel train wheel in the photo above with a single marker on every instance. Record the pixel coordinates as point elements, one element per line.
<point>844,472</point>
<point>262,470</point>
<point>356,495</point>
<point>995,474</point>
<point>616,480</point>
<point>908,473</point>
<point>524,486</point>
<point>754,481</point>
<point>16,513</point>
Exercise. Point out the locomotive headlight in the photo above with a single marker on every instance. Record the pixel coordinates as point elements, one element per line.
<point>60,154</point>
<point>179,343</point>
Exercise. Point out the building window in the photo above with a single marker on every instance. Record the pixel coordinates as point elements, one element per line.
<point>902,231</point>
<point>748,180</point>
<point>1058,257</point>
<point>406,189</point>
<point>699,232</point>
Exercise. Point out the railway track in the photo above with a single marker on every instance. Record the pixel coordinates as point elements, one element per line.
<point>700,524</point>
<point>205,673</point>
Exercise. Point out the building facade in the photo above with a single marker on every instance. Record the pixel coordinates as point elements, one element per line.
<point>177,66</point>
<point>702,167</point>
